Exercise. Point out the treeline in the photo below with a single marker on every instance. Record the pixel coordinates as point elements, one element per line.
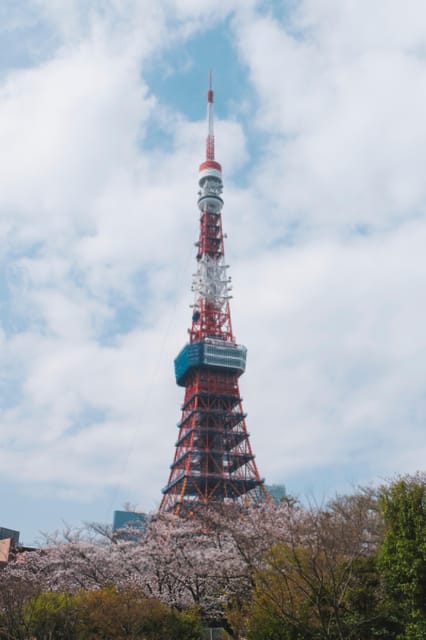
<point>105,613</point>
<point>354,568</point>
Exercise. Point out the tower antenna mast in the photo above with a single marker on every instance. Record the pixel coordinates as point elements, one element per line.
<point>210,121</point>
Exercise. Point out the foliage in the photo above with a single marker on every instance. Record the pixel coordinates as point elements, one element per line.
<point>101,614</point>
<point>130,614</point>
<point>51,616</point>
<point>402,556</point>
<point>15,591</point>
<point>367,614</point>
<point>306,586</point>
<point>353,569</point>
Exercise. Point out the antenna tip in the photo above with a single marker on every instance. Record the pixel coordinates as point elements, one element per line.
<point>210,91</point>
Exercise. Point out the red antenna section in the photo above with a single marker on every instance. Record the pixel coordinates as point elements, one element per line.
<point>213,462</point>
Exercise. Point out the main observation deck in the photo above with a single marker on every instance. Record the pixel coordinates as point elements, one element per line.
<point>210,353</point>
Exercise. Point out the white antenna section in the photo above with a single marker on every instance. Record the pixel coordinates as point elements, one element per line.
<point>211,281</point>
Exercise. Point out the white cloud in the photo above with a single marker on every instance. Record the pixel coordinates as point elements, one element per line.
<point>344,112</point>
<point>337,332</point>
<point>95,213</point>
<point>325,243</point>
<point>59,140</point>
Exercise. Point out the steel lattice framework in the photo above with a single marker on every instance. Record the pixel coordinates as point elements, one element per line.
<point>213,460</point>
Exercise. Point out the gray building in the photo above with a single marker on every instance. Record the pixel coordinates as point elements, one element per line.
<point>9,533</point>
<point>9,540</point>
<point>129,524</point>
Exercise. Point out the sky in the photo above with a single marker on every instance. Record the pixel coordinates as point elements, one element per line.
<point>321,133</point>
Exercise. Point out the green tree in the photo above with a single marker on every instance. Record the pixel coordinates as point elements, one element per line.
<point>318,583</point>
<point>367,614</point>
<point>402,556</point>
<point>129,615</point>
<point>15,592</point>
<point>105,614</point>
<point>292,597</point>
<point>52,616</point>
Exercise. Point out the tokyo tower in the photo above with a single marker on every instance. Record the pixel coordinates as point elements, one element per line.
<point>213,461</point>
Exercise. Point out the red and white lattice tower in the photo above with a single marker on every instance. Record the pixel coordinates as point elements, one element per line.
<point>213,462</point>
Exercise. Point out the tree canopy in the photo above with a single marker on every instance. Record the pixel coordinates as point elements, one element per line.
<point>354,568</point>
